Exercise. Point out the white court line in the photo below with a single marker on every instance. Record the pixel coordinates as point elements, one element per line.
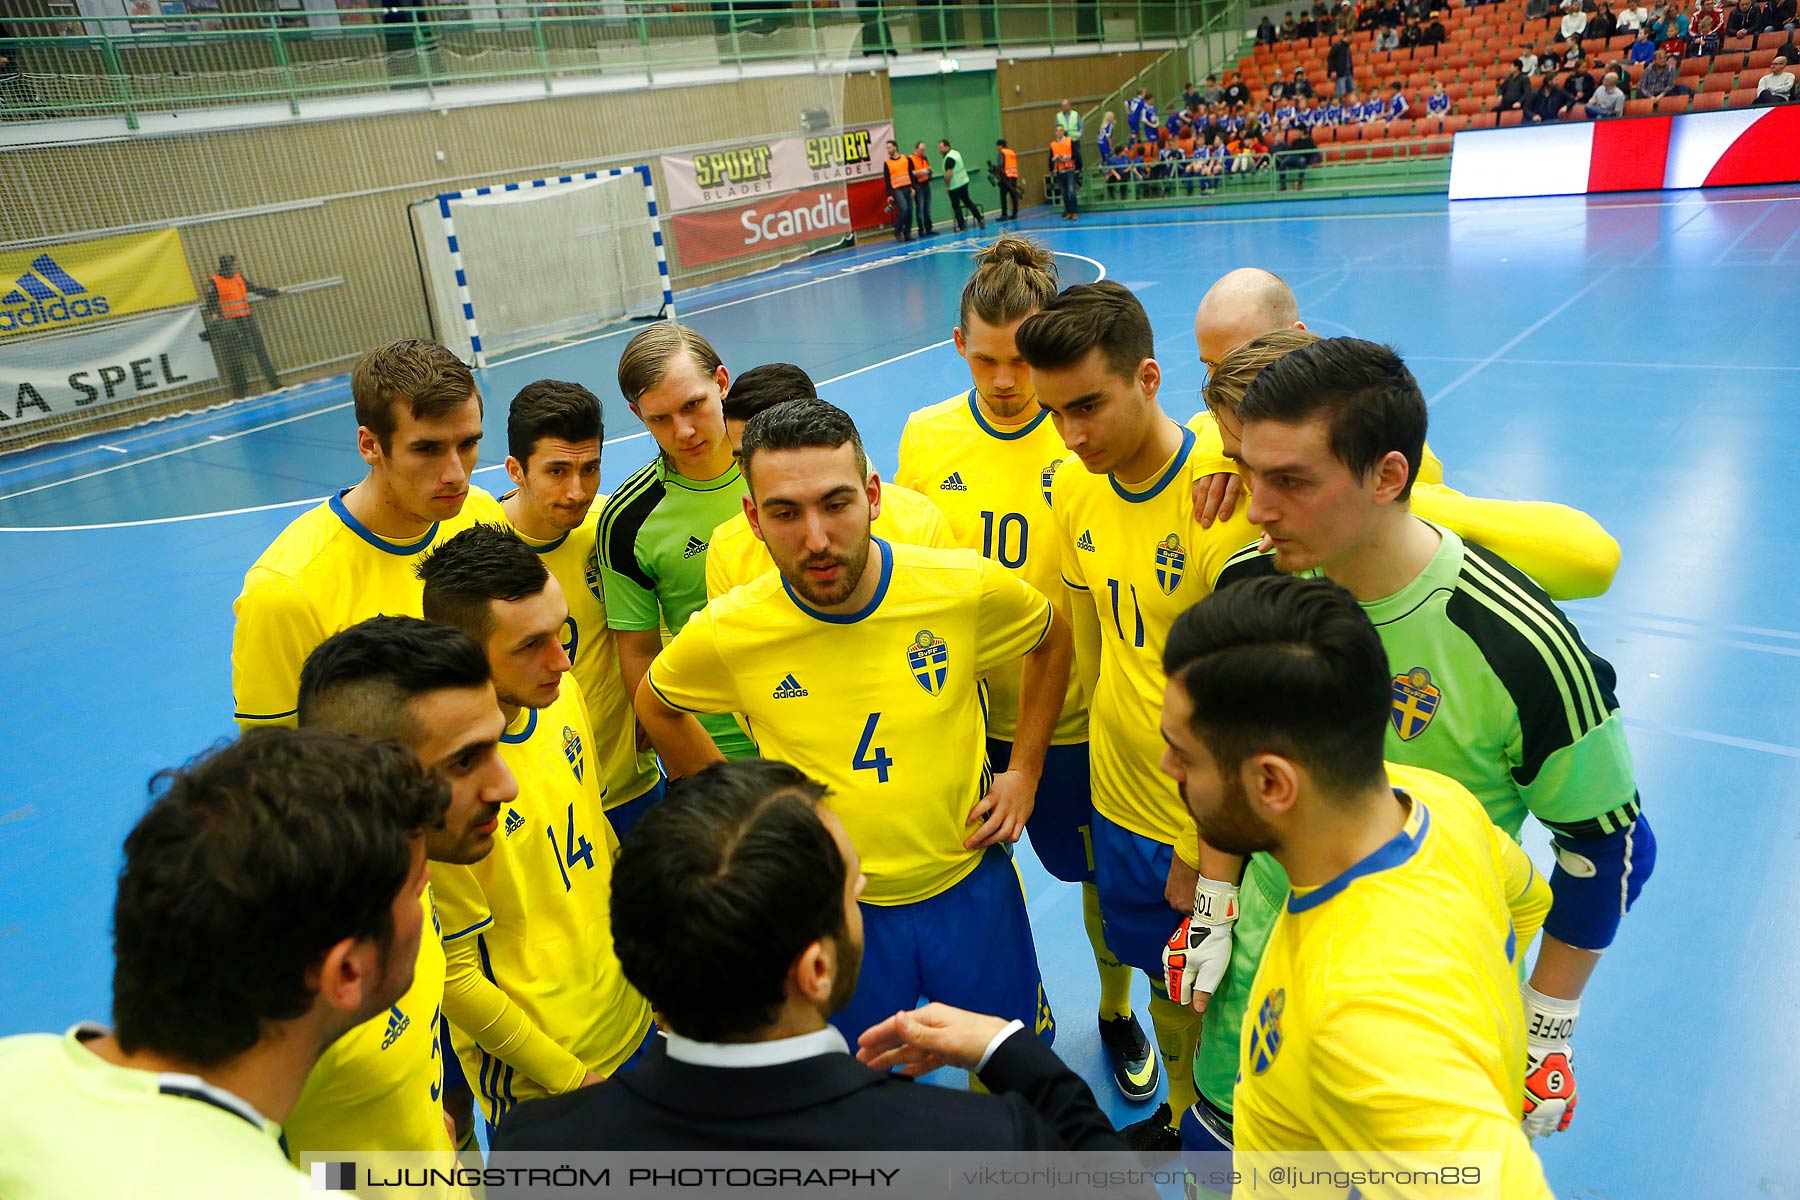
<point>214,439</point>
<point>1595,362</point>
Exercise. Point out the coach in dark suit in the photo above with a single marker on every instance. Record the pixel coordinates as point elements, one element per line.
<point>734,909</point>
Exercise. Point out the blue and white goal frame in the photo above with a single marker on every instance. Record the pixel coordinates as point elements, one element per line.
<point>456,261</point>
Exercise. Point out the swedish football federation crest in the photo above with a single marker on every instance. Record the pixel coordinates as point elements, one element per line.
<point>1049,477</point>
<point>1171,563</point>
<point>1416,701</point>
<point>572,750</point>
<point>929,658</point>
<point>1266,1038</point>
<point>592,574</point>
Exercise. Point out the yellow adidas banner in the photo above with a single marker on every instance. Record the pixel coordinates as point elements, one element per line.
<point>47,289</point>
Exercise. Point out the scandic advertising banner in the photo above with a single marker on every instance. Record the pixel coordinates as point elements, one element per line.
<point>767,168</point>
<point>83,372</point>
<point>793,219</point>
<point>47,289</point>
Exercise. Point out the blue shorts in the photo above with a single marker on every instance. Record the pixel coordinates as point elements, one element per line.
<point>1132,873</point>
<point>1065,808</point>
<point>624,816</point>
<point>969,947</point>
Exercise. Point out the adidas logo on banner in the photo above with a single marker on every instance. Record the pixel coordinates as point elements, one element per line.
<point>514,822</point>
<point>789,689</point>
<point>45,295</point>
<point>954,483</point>
<point>1085,541</point>
<point>694,546</point>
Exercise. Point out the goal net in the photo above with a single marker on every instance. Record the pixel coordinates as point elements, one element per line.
<point>518,264</point>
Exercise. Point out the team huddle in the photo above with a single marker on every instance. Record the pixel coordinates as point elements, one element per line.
<point>1268,690</point>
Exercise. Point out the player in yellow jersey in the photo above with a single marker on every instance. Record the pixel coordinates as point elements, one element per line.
<point>418,417</point>
<point>269,903</point>
<point>1385,1029</point>
<point>735,554</point>
<point>986,456</point>
<point>859,661</point>
<point>386,1084</point>
<point>1122,511</point>
<point>536,1000</point>
<point>1564,549</point>
<point>553,440</point>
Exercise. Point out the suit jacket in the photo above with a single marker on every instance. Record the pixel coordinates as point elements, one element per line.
<point>826,1102</point>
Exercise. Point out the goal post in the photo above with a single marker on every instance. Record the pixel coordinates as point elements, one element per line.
<point>512,265</point>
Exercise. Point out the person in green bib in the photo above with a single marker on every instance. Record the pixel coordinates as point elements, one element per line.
<point>650,547</point>
<point>956,178</point>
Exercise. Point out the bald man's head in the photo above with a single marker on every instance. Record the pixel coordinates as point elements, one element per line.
<point>1243,304</point>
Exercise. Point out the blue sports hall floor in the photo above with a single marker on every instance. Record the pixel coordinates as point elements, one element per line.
<point>1631,356</point>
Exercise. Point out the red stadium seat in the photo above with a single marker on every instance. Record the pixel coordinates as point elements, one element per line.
<point>1640,108</point>
<point>1472,104</point>
<point>1719,81</point>
<point>1486,120</point>
<point>1761,60</point>
<point>1676,104</point>
<point>1356,154</point>
<point>1349,133</point>
<point>1456,123</point>
<point>1741,98</point>
<point>1697,64</point>
<point>1741,45</point>
<point>1386,150</point>
<point>1510,118</point>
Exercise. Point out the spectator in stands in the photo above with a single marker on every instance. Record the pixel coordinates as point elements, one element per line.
<point>1601,25</point>
<point>1437,104</point>
<point>1295,156</point>
<point>1617,67</point>
<point>1286,113</point>
<point>1574,21</point>
<point>1608,100</point>
<point>1662,78</point>
<point>1190,95</point>
<point>1537,10</point>
<point>1741,20</point>
<point>1777,87</point>
<point>1330,113</point>
<point>1367,17</point>
<point>1547,102</point>
<point>1387,38</point>
<point>1643,49</point>
<point>1409,35</point>
<point>1528,62</point>
<point>1392,16</point>
<point>1434,32</point>
<point>1339,66</point>
<point>1302,86</point>
<point>1105,140</point>
<point>1134,112</point>
<point>1149,127</point>
<point>1278,87</point>
<point>1580,85</point>
<point>1633,17</point>
<point>1307,26</point>
<point>1236,92</point>
<point>1290,28</point>
<point>1212,93</point>
<point>1265,32</point>
<point>1704,30</point>
<point>1513,89</point>
<point>1789,51</point>
<point>1549,57</point>
<point>1781,16</point>
<point>1397,107</point>
<point>1574,56</point>
<point>1248,151</point>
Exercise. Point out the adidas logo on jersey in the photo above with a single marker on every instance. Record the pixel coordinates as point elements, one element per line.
<point>1085,541</point>
<point>398,1022</point>
<point>789,689</point>
<point>46,295</point>
<point>954,483</point>
<point>514,822</point>
<point>694,546</point>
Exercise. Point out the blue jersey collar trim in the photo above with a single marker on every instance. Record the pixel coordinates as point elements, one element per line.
<point>380,543</point>
<point>524,735</point>
<point>1401,847</point>
<point>881,588</point>
<point>1004,435</point>
<point>1168,476</point>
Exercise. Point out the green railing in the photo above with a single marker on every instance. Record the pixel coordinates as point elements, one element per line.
<point>1416,167</point>
<point>124,66</point>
